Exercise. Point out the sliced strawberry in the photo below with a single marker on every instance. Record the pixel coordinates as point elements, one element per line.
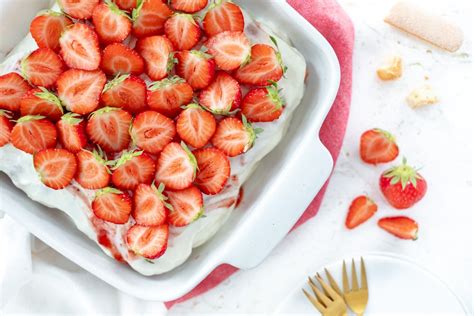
<point>118,58</point>
<point>78,9</point>
<point>265,66</point>
<point>183,31</point>
<point>401,226</point>
<point>361,209</point>
<point>47,28</point>
<point>149,18</point>
<point>223,16</point>
<point>156,51</point>
<point>41,102</point>
<point>188,6</point>
<point>195,126</point>
<point>12,88</point>
<point>127,5</point>
<point>187,206</point>
<point>378,146</point>
<point>213,170</point>
<point>262,104</point>
<point>33,133</point>
<point>230,50</point>
<point>5,128</point>
<point>152,131</point>
<point>234,136</point>
<point>42,67</point>
<point>92,170</point>
<point>176,167</point>
<point>149,205</point>
<point>133,168</point>
<point>111,24</point>
<point>168,95</point>
<point>148,242</point>
<point>112,205</point>
<point>80,47</point>
<point>79,90</point>
<point>72,132</point>
<point>108,128</point>
<point>126,92</point>
<point>196,67</point>
<point>56,167</point>
<point>222,96</point>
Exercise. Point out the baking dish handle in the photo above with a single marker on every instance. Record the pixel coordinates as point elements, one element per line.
<point>253,245</point>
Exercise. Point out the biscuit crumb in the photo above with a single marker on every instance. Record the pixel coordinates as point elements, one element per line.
<point>421,97</point>
<point>392,70</point>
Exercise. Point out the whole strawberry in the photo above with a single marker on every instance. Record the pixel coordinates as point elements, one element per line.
<point>402,186</point>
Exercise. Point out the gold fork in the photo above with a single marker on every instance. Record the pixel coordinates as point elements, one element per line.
<point>329,303</point>
<point>355,297</point>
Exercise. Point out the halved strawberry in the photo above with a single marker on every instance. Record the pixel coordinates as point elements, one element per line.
<point>149,205</point>
<point>42,67</point>
<point>41,102</point>
<point>127,5</point>
<point>183,31</point>
<point>72,132</point>
<point>12,88</point>
<point>92,169</point>
<point>118,58</point>
<point>195,126</point>
<point>108,128</point>
<point>148,242</point>
<point>111,24</point>
<point>133,168</point>
<point>234,136</point>
<point>56,167</point>
<point>223,16</point>
<point>265,66</point>
<point>112,205</point>
<point>176,167</point>
<point>401,226</point>
<point>378,146</point>
<point>78,9</point>
<point>262,104</point>
<point>168,95</point>
<point>213,170</point>
<point>149,18</point>
<point>196,67</point>
<point>79,90</point>
<point>152,131</point>
<point>188,6</point>
<point>187,206</point>
<point>156,51</point>
<point>5,128</point>
<point>222,96</point>
<point>47,27</point>
<point>361,209</point>
<point>230,50</point>
<point>80,47</point>
<point>33,133</point>
<point>126,92</point>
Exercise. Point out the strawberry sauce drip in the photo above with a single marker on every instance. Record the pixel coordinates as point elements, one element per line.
<point>103,238</point>
<point>239,197</point>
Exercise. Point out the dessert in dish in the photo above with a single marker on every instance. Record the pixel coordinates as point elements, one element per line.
<point>159,123</point>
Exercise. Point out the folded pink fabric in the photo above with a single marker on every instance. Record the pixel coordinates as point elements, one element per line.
<point>334,24</point>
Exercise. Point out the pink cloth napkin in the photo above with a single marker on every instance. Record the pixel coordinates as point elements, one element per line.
<point>334,24</point>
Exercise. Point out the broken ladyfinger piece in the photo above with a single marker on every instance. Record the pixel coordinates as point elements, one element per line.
<point>422,96</point>
<point>392,70</point>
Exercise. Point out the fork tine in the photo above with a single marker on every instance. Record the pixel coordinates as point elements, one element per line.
<point>332,282</point>
<point>314,301</point>
<point>363,274</point>
<point>355,284</point>
<point>327,289</point>
<point>320,295</point>
<point>345,278</point>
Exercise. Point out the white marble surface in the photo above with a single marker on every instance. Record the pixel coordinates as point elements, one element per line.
<point>437,138</point>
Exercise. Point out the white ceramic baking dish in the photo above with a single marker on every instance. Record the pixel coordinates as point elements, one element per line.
<point>275,196</point>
